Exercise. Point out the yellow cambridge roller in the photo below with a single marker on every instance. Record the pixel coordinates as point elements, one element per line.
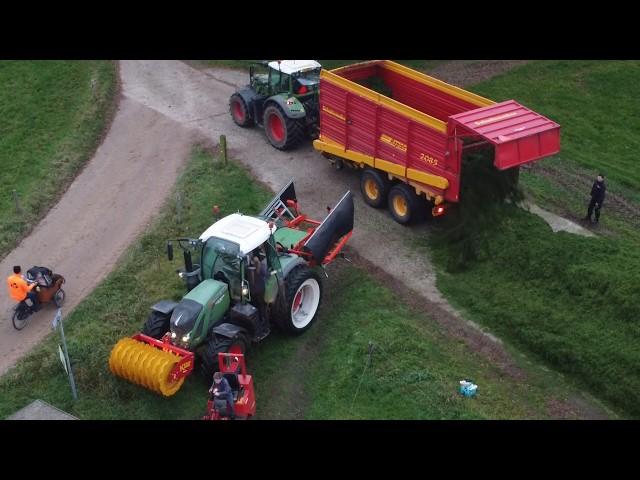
<point>149,366</point>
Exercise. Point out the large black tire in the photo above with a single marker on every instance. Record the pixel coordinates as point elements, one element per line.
<point>283,132</point>
<point>374,187</point>
<point>156,325</point>
<point>299,317</point>
<point>208,354</point>
<point>19,318</point>
<point>239,111</point>
<point>58,298</point>
<point>404,204</point>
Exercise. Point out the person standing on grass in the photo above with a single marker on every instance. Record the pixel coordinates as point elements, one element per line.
<point>597,198</point>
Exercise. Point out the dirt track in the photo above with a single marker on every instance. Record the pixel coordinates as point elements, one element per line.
<point>167,105</point>
<point>104,209</point>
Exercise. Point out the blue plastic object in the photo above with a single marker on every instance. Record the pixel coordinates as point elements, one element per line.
<point>468,388</point>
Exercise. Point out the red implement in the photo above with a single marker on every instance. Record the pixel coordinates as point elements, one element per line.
<point>233,368</point>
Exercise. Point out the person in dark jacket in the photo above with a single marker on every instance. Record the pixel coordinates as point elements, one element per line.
<point>597,198</point>
<point>221,389</point>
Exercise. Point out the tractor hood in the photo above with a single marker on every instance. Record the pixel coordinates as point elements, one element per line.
<point>184,316</point>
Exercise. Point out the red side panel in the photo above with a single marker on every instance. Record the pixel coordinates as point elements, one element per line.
<point>363,126</point>
<point>423,97</point>
<point>518,134</point>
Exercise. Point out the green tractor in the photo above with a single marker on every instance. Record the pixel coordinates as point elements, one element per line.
<point>250,273</point>
<point>282,97</point>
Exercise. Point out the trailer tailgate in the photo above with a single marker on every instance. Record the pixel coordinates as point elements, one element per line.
<point>519,135</point>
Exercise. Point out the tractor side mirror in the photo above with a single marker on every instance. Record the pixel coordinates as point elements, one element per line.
<point>170,251</point>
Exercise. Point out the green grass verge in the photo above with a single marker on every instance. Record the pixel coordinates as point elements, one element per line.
<point>53,114</point>
<point>413,373</point>
<point>414,370</point>
<point>570,301</point>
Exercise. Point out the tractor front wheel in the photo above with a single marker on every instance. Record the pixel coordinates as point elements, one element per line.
<point>219,344</point>
<point>239,111</point>
<point>404,204</point>
<point>156,325</point>
<point>304,292</point>
<point>283,132</point>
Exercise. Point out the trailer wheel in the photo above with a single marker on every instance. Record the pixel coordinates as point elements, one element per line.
<point>304,292</point>
<point>283,132</point>
<point>404,204</point>
<point>209,352</point>
<point>157,325</point>
<point>374,188</point>
<point>239,111</point>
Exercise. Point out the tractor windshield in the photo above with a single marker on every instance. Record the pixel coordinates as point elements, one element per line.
<point>308,76</point>
<point>306,82</point>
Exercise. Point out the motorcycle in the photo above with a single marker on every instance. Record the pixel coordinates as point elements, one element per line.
<point>49,289</point>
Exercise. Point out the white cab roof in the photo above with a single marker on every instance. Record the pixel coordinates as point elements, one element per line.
<point>246,231</point>
<point>293,66</point>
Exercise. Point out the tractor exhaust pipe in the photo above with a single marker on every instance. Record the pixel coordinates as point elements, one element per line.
<point>188,264</point>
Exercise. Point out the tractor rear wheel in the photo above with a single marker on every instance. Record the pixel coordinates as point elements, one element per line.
<point>283,132</point>
<point>404,204</point>
<point>304,292</point>
<point>239,111</point>
<point>156,325</point>
<point>374,187</point>
<point>209,352</point>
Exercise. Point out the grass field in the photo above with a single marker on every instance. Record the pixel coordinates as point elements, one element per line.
<point>414,367</point>
<point>571,302</point>
<point>52,115</point>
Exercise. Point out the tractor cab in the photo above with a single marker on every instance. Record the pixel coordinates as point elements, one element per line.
<point>291,77</point>
<point>227,247</point>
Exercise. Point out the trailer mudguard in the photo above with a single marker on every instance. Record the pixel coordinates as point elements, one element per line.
<point>294,110</point>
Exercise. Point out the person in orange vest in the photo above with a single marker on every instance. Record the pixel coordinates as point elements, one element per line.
<point>19,289</point>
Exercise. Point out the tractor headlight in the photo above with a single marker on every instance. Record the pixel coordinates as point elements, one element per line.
<point>245,290</point>
<point>185,338</point>
<point>173,335</point>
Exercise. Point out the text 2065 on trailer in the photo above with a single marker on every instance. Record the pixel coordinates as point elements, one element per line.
<point>409,143</point>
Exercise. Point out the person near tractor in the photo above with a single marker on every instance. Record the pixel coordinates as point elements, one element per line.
<point>221,389</point>
<point>598,191</point>
<point>258,275</point>
<point>20,290</point>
